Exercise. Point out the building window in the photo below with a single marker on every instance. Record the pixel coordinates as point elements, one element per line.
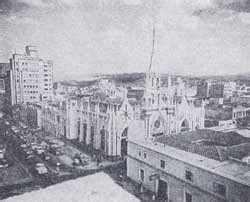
<point>144,155</point>
<point>219,189</point>
<point>189,175</point>
<point>163,164</point>
<point>188,197</point>
<point>142,175</point>
<point>139,153</point>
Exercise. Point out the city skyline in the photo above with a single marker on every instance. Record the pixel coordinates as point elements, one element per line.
<point>90,37</point>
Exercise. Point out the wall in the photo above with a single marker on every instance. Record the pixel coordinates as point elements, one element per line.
<point>174,173</point>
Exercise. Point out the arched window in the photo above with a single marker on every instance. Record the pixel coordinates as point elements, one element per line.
<point>102,132</point>
<point>185,126</point>
<point>157,82</point>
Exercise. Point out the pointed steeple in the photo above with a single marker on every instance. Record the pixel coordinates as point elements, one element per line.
<point>152,51</point>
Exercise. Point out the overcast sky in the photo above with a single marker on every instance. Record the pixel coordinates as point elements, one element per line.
<point>113,36</point>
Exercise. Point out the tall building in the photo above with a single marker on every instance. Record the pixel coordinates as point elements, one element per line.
<point>203,89</point>
<point>31,77</point>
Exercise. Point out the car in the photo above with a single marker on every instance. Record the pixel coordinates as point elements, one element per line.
<point>30,158</point>
<point>76,162</point>
<point>28,152</point>
<point>45,157</point>
<point>33,145</point>
<point>7,123</point>
<point>56,150</point>
<point>39,150</point>
<point>3,163</point>
<point>40,169</point>
<point>23,146</point>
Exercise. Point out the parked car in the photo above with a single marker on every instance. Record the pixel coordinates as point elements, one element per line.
<point>76,161</point>
<point>56,150</point>
<point>33,145</point>
<point>45,157</point>
<point>3,163</point>
<point>30,158</point>
<point>39,150</point>
<point>41,169</point>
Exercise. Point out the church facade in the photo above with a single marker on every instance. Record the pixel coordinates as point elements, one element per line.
<point>168,110</point>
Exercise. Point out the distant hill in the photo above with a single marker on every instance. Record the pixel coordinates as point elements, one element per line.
<point>137,79</point>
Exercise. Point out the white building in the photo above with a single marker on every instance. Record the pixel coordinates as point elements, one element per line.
<point>229,89</point>
<point>31,77</point>
<point>168,110</point>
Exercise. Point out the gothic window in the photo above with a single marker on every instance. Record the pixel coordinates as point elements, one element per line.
<point>157,82</point>
<point>84,132</point>
<point>92,133</point>
<point>103,139</point>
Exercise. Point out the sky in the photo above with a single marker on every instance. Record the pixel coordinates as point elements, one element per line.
<point>84,37</point>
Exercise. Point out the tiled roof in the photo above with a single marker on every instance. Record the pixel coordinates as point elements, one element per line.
<point>208,143</point>
<point>239,151</point>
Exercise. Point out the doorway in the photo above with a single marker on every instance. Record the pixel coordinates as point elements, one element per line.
<point>162,194</point>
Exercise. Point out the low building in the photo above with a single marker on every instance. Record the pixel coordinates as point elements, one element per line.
<point>244,99</point>
<point>218,115</point>
<point>216,90</point>
<point>240,111</point>
<point>192,167</point>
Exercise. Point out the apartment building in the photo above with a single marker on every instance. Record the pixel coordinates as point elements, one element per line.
<point>31,77</point>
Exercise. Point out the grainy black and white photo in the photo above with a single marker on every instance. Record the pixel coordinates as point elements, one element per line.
<point>125,100</point>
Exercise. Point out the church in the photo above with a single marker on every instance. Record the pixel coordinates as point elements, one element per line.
<point>167,109</point>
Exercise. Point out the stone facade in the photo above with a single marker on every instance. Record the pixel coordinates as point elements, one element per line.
<point>101,123</point>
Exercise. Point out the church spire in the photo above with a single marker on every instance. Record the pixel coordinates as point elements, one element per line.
<point>152,51</point>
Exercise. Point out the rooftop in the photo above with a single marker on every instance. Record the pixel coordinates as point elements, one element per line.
<point>207,143</point>
<point>98,187</point>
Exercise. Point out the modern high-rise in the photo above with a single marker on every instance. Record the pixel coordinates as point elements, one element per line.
<point>31,77</point>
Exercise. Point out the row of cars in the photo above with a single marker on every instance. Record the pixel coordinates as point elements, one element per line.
<point>28,150</point>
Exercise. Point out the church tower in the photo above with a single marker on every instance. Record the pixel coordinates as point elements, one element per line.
<point>152,93</point>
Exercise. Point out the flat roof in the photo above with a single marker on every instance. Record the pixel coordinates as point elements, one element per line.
<point>98,187</point>
<point>229,169</point>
